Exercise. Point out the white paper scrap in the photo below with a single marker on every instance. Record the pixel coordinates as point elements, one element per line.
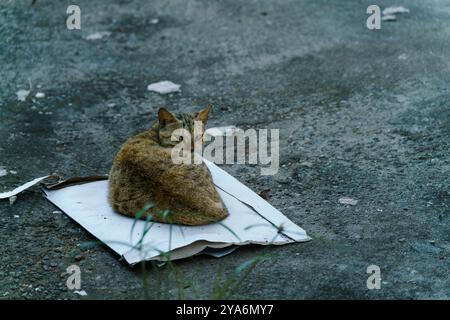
<point>221,131</point>
<point>22,94</point>
<point>394,10</point>
<point>164,87</point>
<point>81,293</point>
<point>23,187</point>
<point>98,35</point>
<point>251,219</point>
<point>349,201</point>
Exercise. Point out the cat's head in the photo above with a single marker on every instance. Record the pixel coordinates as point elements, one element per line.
<point>168,122</point>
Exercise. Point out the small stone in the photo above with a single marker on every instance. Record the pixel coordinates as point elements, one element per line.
<point>265,194</point>
<point>426,248</point>
<point>12,200</point>
<point>79,257</point>
<point>306,164</point>
<point>282,179</point>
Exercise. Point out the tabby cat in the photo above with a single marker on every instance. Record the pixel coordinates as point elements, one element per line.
<point>143,173</point>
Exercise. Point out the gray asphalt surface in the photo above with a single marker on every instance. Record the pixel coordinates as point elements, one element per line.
<point>361,113</point>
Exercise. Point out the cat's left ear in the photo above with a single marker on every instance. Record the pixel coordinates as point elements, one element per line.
<point>203,114</point>
<point>165,117</point>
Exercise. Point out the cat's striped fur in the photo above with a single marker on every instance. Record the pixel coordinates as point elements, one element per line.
<point>143,173</point>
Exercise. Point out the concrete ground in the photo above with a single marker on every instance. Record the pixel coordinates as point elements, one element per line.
<point>362,114</point>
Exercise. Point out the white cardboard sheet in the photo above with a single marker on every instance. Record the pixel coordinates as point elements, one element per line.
<point>251,219</point>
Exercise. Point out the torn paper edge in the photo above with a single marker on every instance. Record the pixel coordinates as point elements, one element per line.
<point>23,187</point>
<point>133,256</point>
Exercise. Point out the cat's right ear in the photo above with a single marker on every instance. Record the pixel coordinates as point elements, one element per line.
<point>165,117</point>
